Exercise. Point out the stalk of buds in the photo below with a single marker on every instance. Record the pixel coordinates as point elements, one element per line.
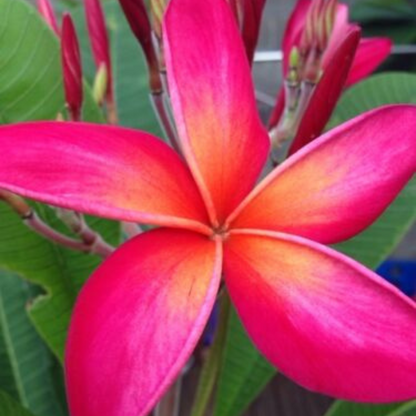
<point>101,52</point>
<point>45,9</point>
<point>305,68</point>
<point>72,70</point>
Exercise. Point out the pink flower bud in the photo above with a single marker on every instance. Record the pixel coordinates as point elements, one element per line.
<point>136,14</point>
<point>99,40</point>
<point>46,11</point>
<point>71,66</point>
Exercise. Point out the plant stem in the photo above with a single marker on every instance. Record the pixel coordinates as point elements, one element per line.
<point>77,224</point>
<point>211,366</point>
<point>91,241</point>
<point>37,225</point>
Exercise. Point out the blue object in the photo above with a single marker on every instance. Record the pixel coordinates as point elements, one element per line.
<point>401,273</point>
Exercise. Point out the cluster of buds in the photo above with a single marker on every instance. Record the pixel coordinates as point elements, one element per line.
<point>306,69</point>
<point>306,58</point>
<point>103,90</point>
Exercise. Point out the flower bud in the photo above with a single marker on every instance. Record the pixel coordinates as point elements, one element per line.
<point>46,11</point>
<point>99,88</point>
<point>136,14</point>
<point>71,66</point>
<point>99,41</point>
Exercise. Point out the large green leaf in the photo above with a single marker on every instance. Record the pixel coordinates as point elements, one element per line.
<point>10,407</point>
<point>25,362</point>
<point>244,372</point>
<point>31,88</point>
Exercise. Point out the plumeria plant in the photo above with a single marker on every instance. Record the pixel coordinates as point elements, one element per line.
<point>226,221</point>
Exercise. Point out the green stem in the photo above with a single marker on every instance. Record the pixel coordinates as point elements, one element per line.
<point>211,366</point>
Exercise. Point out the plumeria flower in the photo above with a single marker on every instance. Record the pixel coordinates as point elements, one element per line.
<point>321,318</point>
<point>332,56</point>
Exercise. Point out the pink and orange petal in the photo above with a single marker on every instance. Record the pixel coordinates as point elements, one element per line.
<point>339,184</point>
<point>216,115</point>
<point>101,170</point>
<point>137,321</point>
<point>324,320</point>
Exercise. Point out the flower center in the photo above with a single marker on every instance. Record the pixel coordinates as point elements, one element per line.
<point>220,232</point>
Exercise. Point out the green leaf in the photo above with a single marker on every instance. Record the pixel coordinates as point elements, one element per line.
<point>381,89</point>
<point>30,68</point>
<point>9,407</point>
<point>370,10</point>
<point>244,372</point>
<point>31,88</point>
<point>408,409</point>
<point>25,362</point>
<point>341,408</point>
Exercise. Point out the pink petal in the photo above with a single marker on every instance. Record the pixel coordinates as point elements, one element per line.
<point>252,14</point>
<point>323,319</point>
<point>137,321</point>
<point>106,171</point>
<point>370,54</point>
<point>71,65</point>
<point>45,9</point>
<point>328,91</point>
<point>213,101</point>
<point>339,31</point>
<point>339,184</point>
